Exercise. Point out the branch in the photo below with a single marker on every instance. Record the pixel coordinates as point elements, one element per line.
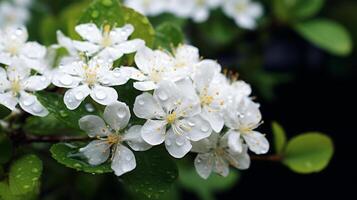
<point>28,138</point>
<point>273,158</point>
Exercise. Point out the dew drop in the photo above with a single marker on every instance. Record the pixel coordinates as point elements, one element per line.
<point>204,128</point>
<point>79,96</point>
<point>162,95</point>
<point>100,94</point>
<point>95,14</point>
<point>66,80</point>
<point>63,113</point>
<point>37,108</point>
<point>191,123</point>
<point>89,107</point>
<point>168,142</point>
<point>107,2</point>
<point>128,158</point>
<point>141,102</point>
<point>179,141</point>
<point>121,113</point>
<point>29,101</point>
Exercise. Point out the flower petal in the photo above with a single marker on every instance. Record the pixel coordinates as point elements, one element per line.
<point>221,166</point>
<point>204,75</point>
<point>97,152</point>
<point>147,107</point>
<point>117,115</point>
<point>30,104</point>
<point>196,128</point>
<point>121,34</point>
<point>205,145</point>
<point>117,76</point>
<point>177,145</point>
<point>143,59</point>
<point>239,160</point>
<point>8,100</point>
<point>123,161</point>
<point>130,46</point>
<point>145,85</point>
<point>33,50</point>
<point>87,47</point>
<point>65,80</point>
<point>134,140</point>
<point>256,142</point>
<point>89,32</point>
<point>204,164</point>
<point>234,141</point>
<point>104,95</point>
<point>37,83</point>
<point>214,118</point>
<point>74,97</point>
<point>153,131</point>
<point>168,95</point>
<point>93,126</point>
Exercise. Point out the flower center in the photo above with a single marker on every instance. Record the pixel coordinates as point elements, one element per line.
<point>106,41</point>
<point>113,139</point>
<point>206,100</point>
<point>15,86</point>
<point>245,129</point>
<point>171,118</point>
<point>90,75</point>
<point>240,7</point>
<point>12,49</point>
<point>155,76</point>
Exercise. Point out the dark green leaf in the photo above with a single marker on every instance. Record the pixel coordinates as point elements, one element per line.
<point>63,153</point>
<point>5,148</point>
<point>308,152</point>
<point>279,137</point>
<point>24,175</point>
<point>5,193</point>
<point>54,103</point>
<point>153,176</point>
<point>4,111</point>
<point>168,35</point>
<point>296,10</point>
<point>327,35</point>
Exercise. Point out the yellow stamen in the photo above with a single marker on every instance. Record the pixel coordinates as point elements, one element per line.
<point>171,118</point>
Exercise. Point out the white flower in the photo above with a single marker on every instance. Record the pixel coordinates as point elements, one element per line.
<point>12,14</point>
<point>107,43</point>
<point>214,155</point>
<point>244,12</point>
<point>172,114</point>
<point>110,138</point>
<point>153,67</point>
<point>186,58</point>
<point>148,7</point>
<point>93,78</point>
<point>212,92</point>
<point>242,117</point>
<point>16,85</point>
<point>13,46</point>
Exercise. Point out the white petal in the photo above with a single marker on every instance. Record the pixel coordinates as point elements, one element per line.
<point>255,9</point>
<point>8,100</point>
<point>177,145</point>
<point>221,166</point>
<point>196,128</point>
<point>4,82</point>
<point>145,85</point>
<point>123,161</point>
<point>61,79</point>
<point>110,53</point>
<point>134,140</point>
<point>136,74</point>
<point>17,70</point>
<point>204,75</point>
<point>117,115</point>
<point>117,76</point>
<point>104,95</point>
<point>143,59</point>
<point>66,42</point>
<point>74,97</point>
<point>130,46</point>
<point>5,58</point>
<point>33,50</point>
<point>168,95</point>
<point>234,141</point>
<point>37,83</point>
<point>206,145</point>
<point>87,47</point>
<point>89,32</point>
<point>30,104</point>
<point>153,131</point>
<point>93,126</point>
<point>204,164</point>
<point>239,160</point>
<point>97,152</point>
<point>256,142</point>
<point>147,107</point>
<point>121,34</point>
<point>215,119</point>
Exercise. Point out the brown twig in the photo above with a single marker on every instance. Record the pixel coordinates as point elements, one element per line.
<point>273,158</point>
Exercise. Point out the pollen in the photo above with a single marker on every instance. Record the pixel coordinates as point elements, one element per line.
<point>113,139</point>
<point>15,86</point>
<point>206,100</point>
<point>106,41</point>
<point>171,118</point>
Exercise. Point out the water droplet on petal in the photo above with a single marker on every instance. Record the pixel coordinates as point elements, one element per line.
<point>162,95</point>
<point>180,141</point>
<point>168,142</point>
<point>191,123</point>
<point>89,107</point>
<point>66,80</point>
<point>204,128</point>
<point>121,113</point>
<point>128,158</point>
<point>141,102</point>
<point>37,108</point>
<point>29,101</point>
<point>79,96</point>
<point>100,94</point>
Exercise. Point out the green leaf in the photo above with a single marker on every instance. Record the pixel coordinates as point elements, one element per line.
<point>279,137</point>
<point>111,12</point>
<point>168,35</point>
<point>5,192</point>
<point>5,148</point>
<point>54,103</point>
<point>4,111</point>
<point>296,10</point>
<point>153,176</point>
<point>24,175</point>
<point>48,125</point>
<point>64,154</point>
<point>327,35</point>
<point>308,152</point>
<point>205,189</point>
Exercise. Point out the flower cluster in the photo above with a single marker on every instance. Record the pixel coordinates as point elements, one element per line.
<point>186,102</point>
<point>243,12</point>
<point>14,12</point>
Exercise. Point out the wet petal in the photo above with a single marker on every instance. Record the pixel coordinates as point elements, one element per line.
<point>147,107</point>
<point>177,145</point>
<point>234,141</point>
<point>97,152</point>
<point>153,131</point>
<point>8,100</point>
<point>196,128</point>
<point>134,140</point>
<point>30,104</point>
<point>89,32</point>
<point>123,161</point>
<point>204,164</point>
<point>74,97</point>
<point>104,95</point>
<point>93,126</point>
<point>37,83</point>
<point>117,115</point>
<point>256,142</point>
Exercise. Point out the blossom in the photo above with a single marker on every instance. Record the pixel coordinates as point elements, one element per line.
<point>14,46</point>
<point>153,67</point>
<point>172,114</point>
<point>111,137</point>
<point>107,43</point>
<point>94,77</point>
<point>212,92</point>
<point>148,7</point>
<point>198,10</point>
<point>242,117</point>
<point>16,85</point>
<point>214,155</point>
<point>186,58</point>
<point>13,14</point>
<point>244,12</point>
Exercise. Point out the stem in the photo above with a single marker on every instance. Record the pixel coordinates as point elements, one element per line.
<point>27,138</point>
<point>273,158</point>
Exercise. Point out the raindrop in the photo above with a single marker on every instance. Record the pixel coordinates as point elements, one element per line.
<point>191,123</point>
<point>168,142</point>
<point>107,2</point>
<point>95,14</point>
<point>79,96</point>
<point>100,94</point>
<point>162,95</point>
<point>105,81</point>
<point>29,101</point>
<point>43,78</point>
<point>63,113</point>
<point>116,73</point>
<point>66,80</point>
<point>121,113</point>
<point>37,108</point>
<point>141,102</point>
<point>204,128</point>
<point>89,107</point>
<point>128,158</point>
<point>179,141</point>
